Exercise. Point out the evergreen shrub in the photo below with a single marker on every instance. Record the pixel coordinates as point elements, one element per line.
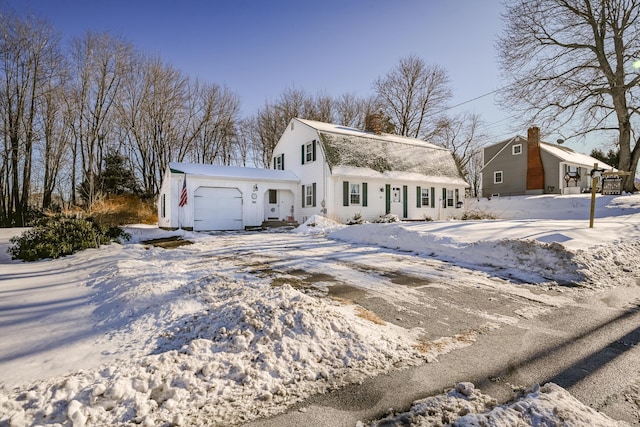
<point>58,236</point>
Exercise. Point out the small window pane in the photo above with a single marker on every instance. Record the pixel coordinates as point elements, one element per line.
<point>309,152</point>
<point>354,194</point>
<point>450,197</point>
<point>309,195</point>
<point>425,197</point>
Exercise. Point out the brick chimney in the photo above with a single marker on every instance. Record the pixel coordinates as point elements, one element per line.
<point>373,123</point>
<point>535,171</point>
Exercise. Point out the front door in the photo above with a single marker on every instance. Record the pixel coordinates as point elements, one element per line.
<point>396,201</point>
<point>272,208</point>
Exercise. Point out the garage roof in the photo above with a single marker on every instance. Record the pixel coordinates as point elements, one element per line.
<point>237,172</point>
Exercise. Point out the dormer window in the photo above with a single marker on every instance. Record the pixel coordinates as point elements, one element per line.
<point>516,149</point>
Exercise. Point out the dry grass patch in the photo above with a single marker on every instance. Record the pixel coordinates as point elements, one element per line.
<point>123,209</point>
<point>369,315</point>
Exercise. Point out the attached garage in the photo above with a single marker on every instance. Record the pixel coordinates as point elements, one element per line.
<point>220,198</point>
<point>217,208</point>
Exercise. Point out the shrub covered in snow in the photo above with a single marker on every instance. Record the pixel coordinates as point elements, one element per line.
<point>55,237</point>
<point>357,219</point>
<point>384,219</point>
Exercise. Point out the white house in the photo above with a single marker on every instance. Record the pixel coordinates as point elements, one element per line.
<point>345,171</point>
<point>224,197</point>
<point>318,168</point>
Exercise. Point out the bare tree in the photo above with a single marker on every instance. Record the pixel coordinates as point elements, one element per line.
<point>412,94</point>
<point>102,63</point>
<point>570,62</point>
<point>463,135</point>
<point>352,111</point>
<point>26,49</point>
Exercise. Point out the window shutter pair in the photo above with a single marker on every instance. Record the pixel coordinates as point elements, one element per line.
<point>313,152</point>
<point>313,195</point>
<point>346,195</point>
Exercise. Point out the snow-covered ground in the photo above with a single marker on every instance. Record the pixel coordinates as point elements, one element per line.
<point>135,334</point>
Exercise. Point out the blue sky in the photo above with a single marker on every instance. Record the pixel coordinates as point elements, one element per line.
<point>260,48</point>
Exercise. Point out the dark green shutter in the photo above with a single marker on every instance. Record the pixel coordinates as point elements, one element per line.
<point>405,202</point>
<point>444,197</point>
<point>418,197</point>
<point>387,198</point>
<point>274,162</point>
<point>433,197</point>
<point>303,195</point>
<point>313,196</point>
<point>345,193</point>
<point>314,150</point>
<point>457,197</point>
<point>303,154</point>
<point>364,194</point>
<point>282,161</point>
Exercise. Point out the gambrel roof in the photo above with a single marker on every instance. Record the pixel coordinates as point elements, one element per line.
<point>357,152</point>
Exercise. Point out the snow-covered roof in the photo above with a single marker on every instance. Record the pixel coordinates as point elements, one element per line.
<point>365,173</point>
<point>568,155</point>
<point>239,172</point>
<point>349,131</point>
<point>384,153</point>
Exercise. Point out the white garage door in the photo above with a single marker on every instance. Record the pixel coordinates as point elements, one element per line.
<point>217,208</point>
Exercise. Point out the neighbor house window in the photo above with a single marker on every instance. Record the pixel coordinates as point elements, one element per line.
<point>425,197</point>
<point>354,194</point>
<point>497,177</point>
<point>516,149</point>
<point>450,199</point>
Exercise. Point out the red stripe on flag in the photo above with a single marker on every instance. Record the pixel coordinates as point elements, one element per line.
<point>183,194</point>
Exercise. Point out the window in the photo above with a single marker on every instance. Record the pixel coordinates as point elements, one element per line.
<point>497,177</point>
<point>278,162</point>
<point>425,197</point>
<point>516,149</point>
<point>354,194</point>
<point>309,152</point>
<point>308,195</point>
<point>450,198</point>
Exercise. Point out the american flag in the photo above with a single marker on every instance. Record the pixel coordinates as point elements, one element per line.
<point>183,193</point>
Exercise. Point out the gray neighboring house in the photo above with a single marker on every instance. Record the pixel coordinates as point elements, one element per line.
<point>528,166</point>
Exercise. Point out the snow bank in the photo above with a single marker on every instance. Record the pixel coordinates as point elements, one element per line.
<point>465,406</point>
<point>240,351</point>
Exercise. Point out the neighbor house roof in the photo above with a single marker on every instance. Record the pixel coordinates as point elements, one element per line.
<point>568,155</point>
<point>563,153</point>
<point>357,152</point>
<point>237,172</point>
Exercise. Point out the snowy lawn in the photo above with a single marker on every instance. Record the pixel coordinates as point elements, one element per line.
<point>204,335</point>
